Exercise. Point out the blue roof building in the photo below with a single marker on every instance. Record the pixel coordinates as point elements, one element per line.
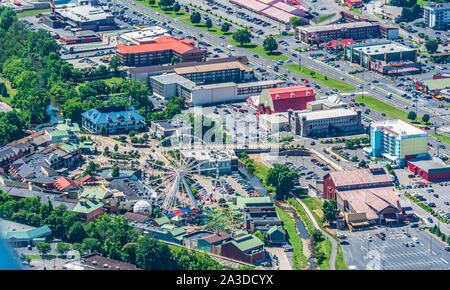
<point>116,120</point>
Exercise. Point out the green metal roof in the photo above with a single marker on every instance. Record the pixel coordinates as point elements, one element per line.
<point>247,242</point>
<point>59,133</point>
<point>69,147</point>
<point>31,234</point>
<point>168,226</point>
<point>274,229</point>
<point>88,207</point>
<point>177,231</point>
<point>95,193</point>
<point>87,145</point>
<point>162,220</point>
<point>242,201</point>
<point>73,127</point>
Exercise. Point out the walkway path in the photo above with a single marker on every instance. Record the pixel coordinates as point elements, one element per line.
<point>316,225</point>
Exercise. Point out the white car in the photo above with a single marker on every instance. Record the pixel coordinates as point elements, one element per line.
<point>416,240</point>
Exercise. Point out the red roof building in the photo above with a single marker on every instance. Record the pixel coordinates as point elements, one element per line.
<point>87,179</point>
<point>278,100</point>
<point>65,184</point>
<point>160,51</point>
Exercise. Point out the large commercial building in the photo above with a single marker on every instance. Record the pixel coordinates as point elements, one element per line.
<point>278,10</point>
<point>278,100</point>
<point>84,17</point>
<point>355,30</point>
<point>437,16</point>
<point>431,170</point>
<point>115,120</point>
<point>334,122</point>
<point>166,128</point>
<point>397,141</point>
<point>230,69</point>
<point>385,57</point>
<point>365,196</point>
<point>172,84</point>
<point>160,51</point>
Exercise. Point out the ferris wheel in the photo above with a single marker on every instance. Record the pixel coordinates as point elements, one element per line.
<point>171,173</point>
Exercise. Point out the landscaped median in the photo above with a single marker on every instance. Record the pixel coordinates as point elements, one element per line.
<point>276,55</point>
<point>298,259</point>
<point>167,12</point>
<point>324,18</point>
<point>427,208</point>
<point>442,137</point>
<point>202,25</point>
<point>323,79</point>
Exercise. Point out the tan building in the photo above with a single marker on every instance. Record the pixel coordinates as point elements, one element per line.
<point>332,122</point>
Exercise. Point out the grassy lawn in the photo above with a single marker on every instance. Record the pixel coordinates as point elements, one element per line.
<point>315,206</point>
<point>323,246</point>
<point>28,13</point>
<point>261,52</point>
<point>158,9</point>
<point>107,81</point>
<point>298,259</point>
<point>261,172</point>
<point>324,18</point>
<point>390,111</point>
<point>202,25</point>
<point>443,138</point>
<point>422,2</point>
<point>340,261</point>
<point>330,82</point>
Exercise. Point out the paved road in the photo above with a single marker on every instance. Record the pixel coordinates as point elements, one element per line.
<point>316,225</point>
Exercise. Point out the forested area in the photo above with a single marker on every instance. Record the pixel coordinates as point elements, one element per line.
<point>31,66</point>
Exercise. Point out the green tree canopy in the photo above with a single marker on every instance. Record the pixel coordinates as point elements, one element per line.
<point>270,44</point>
<point>242,36</point>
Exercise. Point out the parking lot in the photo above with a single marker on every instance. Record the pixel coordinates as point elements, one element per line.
<point>436,196</point>
<point>426,253</point>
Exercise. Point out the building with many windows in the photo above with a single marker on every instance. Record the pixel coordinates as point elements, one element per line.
<point>397,141</point>
<point>114,120</point>
<point>437,16</point>
<point>160,51</point>
<point>207,161</point>
<point>360,30</point>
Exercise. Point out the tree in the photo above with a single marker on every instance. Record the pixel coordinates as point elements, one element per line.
<point>225,27</point>
<point>432,45</point>
<point>209,23</point>
<point>166,3</point>
<point>62,248</point>
<point>91,168</point>
<point>412,115</point>
<point>282,178</point>
<point>43,248</point>
<point>76,233</point>
<point>132,133</point>
<point>174,60</point>
<point>195,18</point>
<point>330,211</point>
<point>176,7</point>
<point>115,63</point>
<point>129,253</point>
<point>316,236</point>
<point>115,171</point>
<point>152,255</point>
<point>91,245</point>
<point>362,164</point>
<point>354,159</point>
<point>222,200</point>
<point>242,36</point>
<point>116,147</point>
<point>262,236</point>
<point>270,44</point>
<point>103,130</point>
<point>296,21</point>
<point>151,2</point>
<point>426,118</point>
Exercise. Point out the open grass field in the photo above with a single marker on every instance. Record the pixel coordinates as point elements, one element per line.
<point>28,13</point>
<point>202,25</point>
<point>327,81</point>
<point>276,55</point>
<point>324,18</point>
